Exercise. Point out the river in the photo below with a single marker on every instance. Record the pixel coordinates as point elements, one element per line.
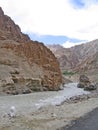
<point>31,102</point>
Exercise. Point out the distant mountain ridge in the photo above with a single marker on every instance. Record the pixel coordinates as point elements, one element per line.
<point>80,58</point>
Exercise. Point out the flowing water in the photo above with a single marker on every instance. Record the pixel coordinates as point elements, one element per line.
<point>31,102</point>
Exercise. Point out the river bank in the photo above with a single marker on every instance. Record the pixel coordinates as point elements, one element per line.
<point>31,114</point>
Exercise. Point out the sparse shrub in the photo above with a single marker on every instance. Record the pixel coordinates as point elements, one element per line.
<point>68,73</point>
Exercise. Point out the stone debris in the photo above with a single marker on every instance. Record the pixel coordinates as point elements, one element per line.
<point>12,112</point>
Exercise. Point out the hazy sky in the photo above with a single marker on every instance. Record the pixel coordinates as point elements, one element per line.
<point>66,22</point>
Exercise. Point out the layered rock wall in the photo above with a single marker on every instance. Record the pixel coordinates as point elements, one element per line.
<point>25,65</point>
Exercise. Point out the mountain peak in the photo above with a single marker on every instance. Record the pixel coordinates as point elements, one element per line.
<point>9,30</point>
<point>1,12</point>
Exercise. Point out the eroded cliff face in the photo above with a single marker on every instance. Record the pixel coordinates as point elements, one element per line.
<point>25,65</point>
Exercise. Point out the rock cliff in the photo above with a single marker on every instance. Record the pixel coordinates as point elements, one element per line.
<point>25,65</point>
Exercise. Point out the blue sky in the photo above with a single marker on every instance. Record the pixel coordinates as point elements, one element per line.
<point>78,3</point>
<point>64,22</point>
<point>51,39</point>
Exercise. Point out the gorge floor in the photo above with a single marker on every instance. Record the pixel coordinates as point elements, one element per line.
<point>42,117</point>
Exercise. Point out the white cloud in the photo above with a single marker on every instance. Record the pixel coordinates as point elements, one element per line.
<point>69,44</point>
<point>54,17</point>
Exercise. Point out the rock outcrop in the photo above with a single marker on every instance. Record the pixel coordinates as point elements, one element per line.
<point>85,83</point>
<point>25,65</point>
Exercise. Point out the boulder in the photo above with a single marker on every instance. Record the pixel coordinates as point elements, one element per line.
<point>90,87</point>
<point>85,83</point>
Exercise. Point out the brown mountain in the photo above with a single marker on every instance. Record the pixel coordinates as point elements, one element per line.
<point>9,30</point>
<point>87,55</point>
<point>66,56</point>
<point>81,58</point>
<point>25,65</point>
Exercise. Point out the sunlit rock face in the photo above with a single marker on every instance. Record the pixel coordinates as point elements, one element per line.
<point>25,66</point>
